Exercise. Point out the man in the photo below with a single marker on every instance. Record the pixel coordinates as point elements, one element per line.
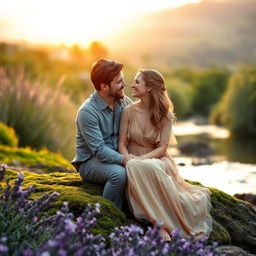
<point>97,121</point>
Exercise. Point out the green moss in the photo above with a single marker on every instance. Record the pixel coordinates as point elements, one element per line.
<point>8,136</point>
<point>233,219</point>
<point>222,203</point>
<point>219,233</point>
<point>220,196</point>
<point>194,183</point>
<point>78,193</point>
<point>44,159</point>
<point>236,216</point>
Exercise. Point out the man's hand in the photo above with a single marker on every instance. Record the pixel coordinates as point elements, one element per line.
<point>127,158</point>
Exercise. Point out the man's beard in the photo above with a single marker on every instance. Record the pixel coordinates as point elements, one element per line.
<point>117,95</point>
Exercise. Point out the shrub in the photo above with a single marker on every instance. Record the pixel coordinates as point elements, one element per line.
<point>209,86</point>
<point>237,107</point>
<point>7,136</point>
<point>42,159</point>
<point>41,116</point>
<point>181,94</point>
<point>185,74</point>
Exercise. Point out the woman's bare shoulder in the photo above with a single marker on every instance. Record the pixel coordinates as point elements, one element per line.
<point>130,107</point>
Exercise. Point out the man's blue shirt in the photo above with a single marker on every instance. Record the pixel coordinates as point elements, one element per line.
<point>98,130</point>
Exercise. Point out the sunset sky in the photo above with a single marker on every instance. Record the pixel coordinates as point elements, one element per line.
<point>70,22</point>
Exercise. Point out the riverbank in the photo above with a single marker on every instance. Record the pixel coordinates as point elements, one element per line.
<point>231,168</point>
<point>218,139</point>
<point>196,127</point>
<point>229,177</point>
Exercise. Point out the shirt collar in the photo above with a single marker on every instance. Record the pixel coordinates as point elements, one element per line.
<point>101,102</point>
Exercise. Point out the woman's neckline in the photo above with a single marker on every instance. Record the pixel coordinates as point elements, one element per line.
<point>136,107</point>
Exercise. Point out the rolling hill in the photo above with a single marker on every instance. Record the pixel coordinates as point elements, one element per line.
<point>209,33</point>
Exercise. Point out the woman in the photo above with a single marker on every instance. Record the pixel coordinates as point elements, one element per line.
<point>155,190</point>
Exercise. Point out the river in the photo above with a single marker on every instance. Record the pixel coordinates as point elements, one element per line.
<point>233,167</point>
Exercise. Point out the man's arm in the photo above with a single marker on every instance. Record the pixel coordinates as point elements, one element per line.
<point>88,123</point>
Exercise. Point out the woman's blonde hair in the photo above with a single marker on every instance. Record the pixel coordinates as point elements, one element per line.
<point>160,102</point>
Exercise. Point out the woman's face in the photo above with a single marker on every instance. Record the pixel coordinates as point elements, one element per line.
<point>139,88</point>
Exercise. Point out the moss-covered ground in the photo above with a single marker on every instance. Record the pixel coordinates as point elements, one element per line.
<point>234,220</point>
<point>78,193</point>
<point>42,160</point>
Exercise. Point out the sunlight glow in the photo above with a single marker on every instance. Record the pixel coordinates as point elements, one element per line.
<point>69,22</point>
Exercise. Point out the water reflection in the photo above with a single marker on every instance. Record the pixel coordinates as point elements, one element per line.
<point>229,177</point>
<point>237,150</point>
<point>230,149</point>
<point>231,169</point>
<point>226,147</point>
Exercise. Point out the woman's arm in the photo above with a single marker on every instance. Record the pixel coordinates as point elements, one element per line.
<point>158,152</point>
<point>122,145</point>
<point>123,141</point>
<point>122,148</point>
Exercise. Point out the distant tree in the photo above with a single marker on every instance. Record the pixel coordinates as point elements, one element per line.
<point>186,74</point>
<point>76,51</point>
<point>237,107</point>
<point>208,85</point>
<point>98,50</point>
<point>181,94</point>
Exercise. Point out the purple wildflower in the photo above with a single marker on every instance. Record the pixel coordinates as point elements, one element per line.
<point>35,219</point>
<point>62,252</point>
<point>28,252</point>
<point>66,235</point>
<point>20,176</point>
<point>70,225</point>
<point>45,253</point>
<point>3,248</point>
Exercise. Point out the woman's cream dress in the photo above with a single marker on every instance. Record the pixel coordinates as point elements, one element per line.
<point>155,190</point>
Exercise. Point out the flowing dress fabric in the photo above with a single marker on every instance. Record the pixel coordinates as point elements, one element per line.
<point>155,190</point>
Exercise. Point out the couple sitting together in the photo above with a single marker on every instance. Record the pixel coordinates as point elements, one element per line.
<point>123,145</point>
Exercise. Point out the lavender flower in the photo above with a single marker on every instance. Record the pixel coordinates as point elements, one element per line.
<point>18,216</point>
<point>3,248</point>
<point>28,231</point>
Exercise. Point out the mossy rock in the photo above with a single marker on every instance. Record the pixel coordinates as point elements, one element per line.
<point>219,233</point>
<point>78,193</point>
<point>237,217</point>
<point>234,221</point>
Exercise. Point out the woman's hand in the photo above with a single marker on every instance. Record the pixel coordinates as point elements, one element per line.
<point>129,157</point>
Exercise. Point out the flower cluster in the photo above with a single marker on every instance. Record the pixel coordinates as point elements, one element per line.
<point>19,216</point>
<point>70,236</point>
<point>184,247</point>
<point>131,240</point>
<point>62,234</point>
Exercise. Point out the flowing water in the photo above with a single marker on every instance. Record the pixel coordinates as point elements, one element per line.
<point>233,167</point>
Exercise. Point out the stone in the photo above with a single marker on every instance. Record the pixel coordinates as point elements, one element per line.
<point>196,148</point>
<point>237,217</point>
<point>234,220</point>
<point>77,193</point>
<point>250,198</point>
<point>230,250</point>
